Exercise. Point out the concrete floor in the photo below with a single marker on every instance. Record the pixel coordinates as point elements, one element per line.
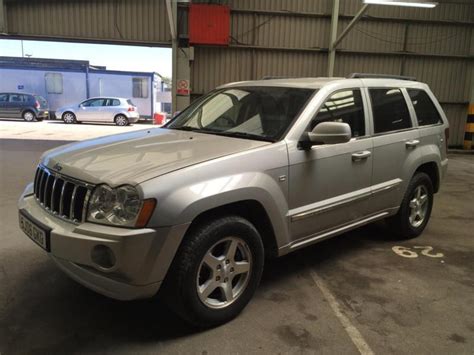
<point>50,129</point>
<point>397,305</point>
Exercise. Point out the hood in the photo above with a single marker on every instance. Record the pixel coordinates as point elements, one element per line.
<point>141,155</point>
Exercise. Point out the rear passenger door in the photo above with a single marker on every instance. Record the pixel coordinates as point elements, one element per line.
<point>395,150</point>
<point>429,120</point>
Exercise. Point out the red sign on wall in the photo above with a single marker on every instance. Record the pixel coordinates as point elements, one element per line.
<point>209,24</point>
<point>183,87</point>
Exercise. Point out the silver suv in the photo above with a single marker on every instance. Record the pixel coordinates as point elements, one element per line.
<point>252,170</point>
<point>116,110</point>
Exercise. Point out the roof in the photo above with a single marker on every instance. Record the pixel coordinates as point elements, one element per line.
<point>317,83</point>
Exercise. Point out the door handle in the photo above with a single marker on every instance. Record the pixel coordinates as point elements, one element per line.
<point>412,144</point>
<point>361,155</point>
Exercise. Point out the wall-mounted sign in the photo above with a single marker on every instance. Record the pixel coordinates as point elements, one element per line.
<point>183,87</point>
<point>21,87</point>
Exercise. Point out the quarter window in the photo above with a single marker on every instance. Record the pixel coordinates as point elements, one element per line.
<point>390,111</point>
<point>426,112</point>
<point>54,83</point>
<point>140,87</point>
<point>344,106</point>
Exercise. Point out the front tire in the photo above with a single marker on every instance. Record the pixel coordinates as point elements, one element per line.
<point>69,117</point>
<point>121,120</point>
<point>415,209</point>
<point>215,272</point>
<point>29,116</point>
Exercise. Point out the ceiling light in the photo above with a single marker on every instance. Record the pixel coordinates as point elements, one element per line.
<point>410,3</point>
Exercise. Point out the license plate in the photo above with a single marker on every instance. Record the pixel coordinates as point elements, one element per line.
<point>38,234</point>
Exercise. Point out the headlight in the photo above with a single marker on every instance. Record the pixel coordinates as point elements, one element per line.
<point>119,207</point>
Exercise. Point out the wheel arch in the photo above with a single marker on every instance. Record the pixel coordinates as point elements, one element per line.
<point>431,169</point>
<point>251,210</point>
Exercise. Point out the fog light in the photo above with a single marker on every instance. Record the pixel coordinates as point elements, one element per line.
<point>103,256</point>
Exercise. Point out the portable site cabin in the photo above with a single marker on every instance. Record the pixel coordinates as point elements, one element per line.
<point>66,82</point>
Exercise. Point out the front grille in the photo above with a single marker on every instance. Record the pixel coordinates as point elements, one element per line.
<point>63,196</point>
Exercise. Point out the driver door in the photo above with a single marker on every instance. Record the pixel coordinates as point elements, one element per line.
<point>329,184</point>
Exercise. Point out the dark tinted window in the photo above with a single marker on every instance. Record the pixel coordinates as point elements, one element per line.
<point>251,112</point>
<point>3,97</point>
<point>426,112</point>
<point>389,110</point>
<point>344,106</point>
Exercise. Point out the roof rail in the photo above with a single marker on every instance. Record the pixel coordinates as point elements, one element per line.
<point>380,76</point>
<point>269,77</point>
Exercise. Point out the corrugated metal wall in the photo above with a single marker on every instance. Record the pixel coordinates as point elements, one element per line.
<point>290,38</point>
<point>285,38</point>
<point>130,21</point>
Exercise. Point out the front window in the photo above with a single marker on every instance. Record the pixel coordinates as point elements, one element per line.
<point>263,113</point>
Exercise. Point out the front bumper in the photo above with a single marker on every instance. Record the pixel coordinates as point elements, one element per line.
<point>142,256</point>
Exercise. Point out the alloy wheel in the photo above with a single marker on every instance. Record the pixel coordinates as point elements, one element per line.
<point>28,116</point>
<point>224,272</point>
<point>418,206</point>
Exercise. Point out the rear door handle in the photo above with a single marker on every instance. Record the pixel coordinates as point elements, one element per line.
<point>361,155</point>
<point>412,144</point>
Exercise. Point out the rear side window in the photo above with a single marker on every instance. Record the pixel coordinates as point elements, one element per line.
<point>390,111</point>
<point>344,106</point>
<point>18,98</point>
<point>113,102</point>
<point>426,112</point>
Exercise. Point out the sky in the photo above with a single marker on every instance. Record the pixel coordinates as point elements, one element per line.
<point>114,57</point>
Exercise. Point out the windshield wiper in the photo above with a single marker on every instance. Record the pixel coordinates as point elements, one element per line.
<point>246,135</point>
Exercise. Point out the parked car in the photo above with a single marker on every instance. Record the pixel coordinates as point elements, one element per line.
<point>253,169</point>
<point>116,110</point>
<point>30,107</point>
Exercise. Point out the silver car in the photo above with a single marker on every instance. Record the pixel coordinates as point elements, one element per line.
<point>252,170</point>
<point>116,110</point>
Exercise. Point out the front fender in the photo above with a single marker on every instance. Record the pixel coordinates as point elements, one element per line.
<point>256,175</point>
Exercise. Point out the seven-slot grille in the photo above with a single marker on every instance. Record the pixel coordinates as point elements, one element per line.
<point>63,196</point>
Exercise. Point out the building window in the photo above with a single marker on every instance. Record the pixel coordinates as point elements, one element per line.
<point>140,87</point>
<point>54,83</point>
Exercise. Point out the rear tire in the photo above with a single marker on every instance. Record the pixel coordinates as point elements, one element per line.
<point>215,271</point>
<point>69,117</point>
<point>415,209</point>
<point>29,116</point>
<point>121,120</point>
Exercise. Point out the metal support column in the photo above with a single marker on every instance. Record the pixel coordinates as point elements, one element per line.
<point>3,17</point>
<point>332,37</point>
<point>334,40</point>
<point>172,10</point>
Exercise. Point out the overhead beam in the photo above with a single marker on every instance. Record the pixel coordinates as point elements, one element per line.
<point>351,24</point>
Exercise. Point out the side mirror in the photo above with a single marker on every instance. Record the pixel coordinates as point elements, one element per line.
<point>327,133</point>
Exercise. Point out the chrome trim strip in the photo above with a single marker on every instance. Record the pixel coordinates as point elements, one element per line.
<point>374,189</point>
<point>67,178</point>
<point>314,238</point>
<point>61,199</point>
<point>53,200</point>
<point>39,187</point>
<point>73,200</point>
<point>86,203</point>
<point>329,207</point>
<point>45,189</point>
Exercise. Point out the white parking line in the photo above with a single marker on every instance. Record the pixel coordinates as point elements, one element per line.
<point>350,329</point>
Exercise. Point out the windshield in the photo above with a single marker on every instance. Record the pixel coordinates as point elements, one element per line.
<point>263,113</point>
